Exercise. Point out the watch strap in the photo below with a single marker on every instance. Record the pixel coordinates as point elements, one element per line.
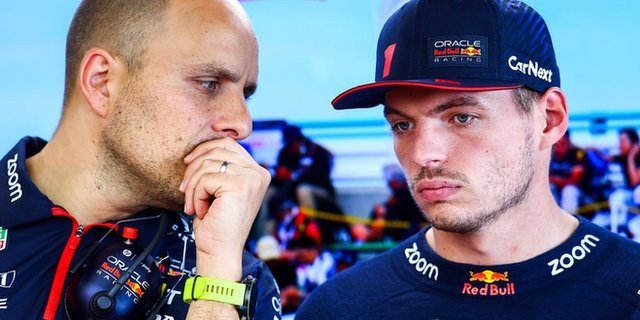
<point>213,289</point>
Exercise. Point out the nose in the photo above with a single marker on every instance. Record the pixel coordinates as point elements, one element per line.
<point>232,118</point>
<point>429,147</point>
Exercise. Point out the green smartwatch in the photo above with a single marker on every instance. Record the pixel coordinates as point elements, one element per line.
<point>237,294</point>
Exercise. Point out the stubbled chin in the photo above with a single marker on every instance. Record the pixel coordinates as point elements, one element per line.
<point>442,211</point>
<point>168,199</point>
<point>173,204</point>
<point>436,207</point>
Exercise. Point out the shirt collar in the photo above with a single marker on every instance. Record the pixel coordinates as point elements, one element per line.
<point>587,245</point>
<point>20,199</point>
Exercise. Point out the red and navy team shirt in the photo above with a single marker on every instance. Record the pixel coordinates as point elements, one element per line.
<point>40,241</point>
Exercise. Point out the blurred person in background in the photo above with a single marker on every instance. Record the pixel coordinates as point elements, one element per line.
<point>302,174</point>
<point>293,224</point>
<point>314,266</point>
<point>627,190</point>
<point>398,208</point>
<point>304,168</point>
<point>282,265</point>
<point>567,173</point>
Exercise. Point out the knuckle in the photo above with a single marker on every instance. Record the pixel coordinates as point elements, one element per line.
<point>264,173</point>
<point>207,162</point>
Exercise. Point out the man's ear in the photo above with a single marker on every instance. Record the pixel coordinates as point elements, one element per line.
<point>556,113</point>
<point>98,73</point>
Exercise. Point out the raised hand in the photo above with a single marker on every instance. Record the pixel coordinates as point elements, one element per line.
<point>224,187</point>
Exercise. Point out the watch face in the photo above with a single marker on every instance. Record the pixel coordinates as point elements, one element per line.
<point>248,308</point>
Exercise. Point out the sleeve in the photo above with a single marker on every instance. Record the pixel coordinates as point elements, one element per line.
<point>267,304</point>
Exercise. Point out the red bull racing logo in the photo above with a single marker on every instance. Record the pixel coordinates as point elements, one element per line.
<point>135,287</point>
<point>489,276</point>
<point>458,51</point>
<point>470,51</point>
<point>489,284</point>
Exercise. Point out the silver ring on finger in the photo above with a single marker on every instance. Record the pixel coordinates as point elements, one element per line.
<point>224,166</point>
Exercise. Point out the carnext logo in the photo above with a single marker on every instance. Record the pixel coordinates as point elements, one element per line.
<point>421,264</point>
<point>530,68</point>
<point>15,189</point>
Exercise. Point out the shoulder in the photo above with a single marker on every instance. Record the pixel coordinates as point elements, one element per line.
<point>620,247</point>
<point>353,291</point>
<point>344,294</point>
<point>616,272</point>
<point>625,255</point>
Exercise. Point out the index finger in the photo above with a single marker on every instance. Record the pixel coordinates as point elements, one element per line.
<point>226,143</point>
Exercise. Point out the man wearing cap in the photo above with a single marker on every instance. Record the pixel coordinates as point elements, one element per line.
<point>471,91</point>
<point>155,105</point>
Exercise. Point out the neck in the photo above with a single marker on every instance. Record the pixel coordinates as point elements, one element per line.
<point>526,231</point>
<point>66,171</point>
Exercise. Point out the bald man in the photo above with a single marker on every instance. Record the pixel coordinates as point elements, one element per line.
<point>154,106</point>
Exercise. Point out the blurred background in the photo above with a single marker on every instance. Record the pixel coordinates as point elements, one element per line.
<point>310,51</point>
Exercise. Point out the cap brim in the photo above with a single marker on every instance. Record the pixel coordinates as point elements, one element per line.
<point>372,94</point>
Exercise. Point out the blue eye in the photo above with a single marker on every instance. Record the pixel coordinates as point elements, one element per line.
<point>401,126</point>
<point>209,85</point>
<point>463,118</point>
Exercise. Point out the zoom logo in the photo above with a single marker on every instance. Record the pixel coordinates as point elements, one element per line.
<point>421,264</point>
<point>577,253</point>
<point>15,189</point>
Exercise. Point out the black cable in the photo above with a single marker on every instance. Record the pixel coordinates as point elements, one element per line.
<point>164,220</point>
<point>96,244</point>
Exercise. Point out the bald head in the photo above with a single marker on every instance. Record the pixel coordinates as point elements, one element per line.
<point>123,27</point>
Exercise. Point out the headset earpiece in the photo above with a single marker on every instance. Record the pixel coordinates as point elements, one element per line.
<point>122,281</point>
<point>102,304</point>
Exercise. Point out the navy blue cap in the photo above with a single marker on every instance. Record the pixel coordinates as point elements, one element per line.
<point>464,45</point>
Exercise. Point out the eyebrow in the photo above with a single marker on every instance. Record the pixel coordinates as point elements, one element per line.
<point>465,100</point>
<point>221,72</point>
